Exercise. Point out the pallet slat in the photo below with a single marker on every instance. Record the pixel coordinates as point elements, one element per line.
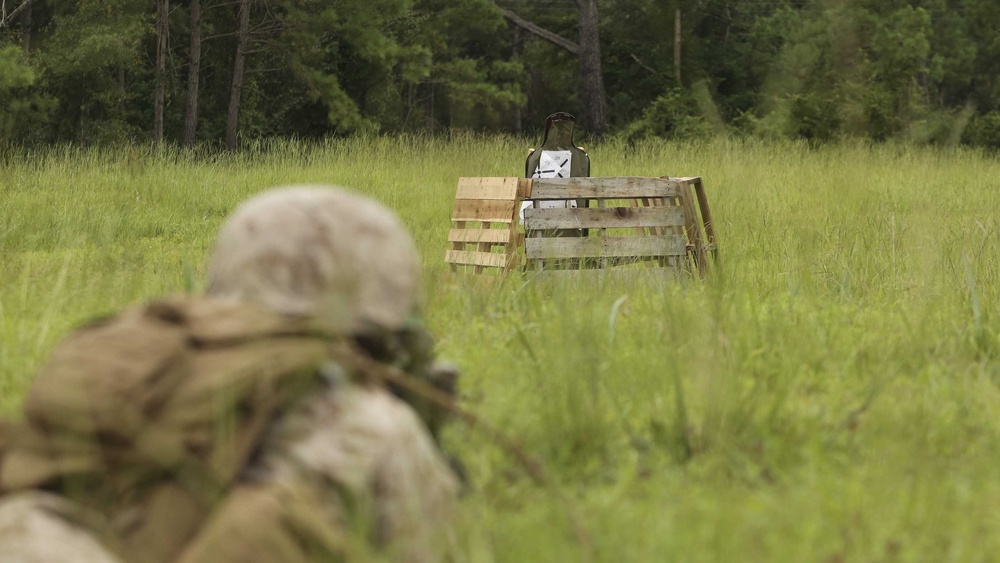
<point>491,211</point>
<point>685,179</point>
<point>473,258</point>
<point>706,213</point>
<point>623,187</point>
<point>693,229</point>
<point>596,275</point>
<point>606,218</point>
<point>597,247</point>
<point>491,236</point>
<point>484,247</point>
<point>504,189</point>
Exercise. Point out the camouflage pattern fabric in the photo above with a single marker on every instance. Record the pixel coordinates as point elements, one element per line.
<point>155,419</point>
<point>411,350</point>
<point>326,253</point>
<point>321,252</point>
<point>392,488</point>
<point>37,527</point>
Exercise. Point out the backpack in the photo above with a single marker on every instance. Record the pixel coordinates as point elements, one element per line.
<point>150,416</point>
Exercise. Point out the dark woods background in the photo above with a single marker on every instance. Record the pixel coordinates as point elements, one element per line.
<point>220,71</point>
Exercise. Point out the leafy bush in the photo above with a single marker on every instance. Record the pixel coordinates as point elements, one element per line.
<point>984,130</point>
<point>672,115</point>
<point>25,107</point>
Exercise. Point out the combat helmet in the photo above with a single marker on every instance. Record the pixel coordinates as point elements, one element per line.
<point>318,251</point>
<point>343,259</point>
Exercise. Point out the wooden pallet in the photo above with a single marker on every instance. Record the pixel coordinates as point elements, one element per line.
<point>621,233</point>
<point>631,222</point>
<point>484,230</point>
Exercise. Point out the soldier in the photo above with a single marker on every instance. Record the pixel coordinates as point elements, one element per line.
<point>254,425</point>
<point>348,261</point>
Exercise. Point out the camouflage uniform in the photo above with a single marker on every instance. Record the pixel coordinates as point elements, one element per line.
<point>250,426</point>
<point>347,260</point>
<point>38,527</point>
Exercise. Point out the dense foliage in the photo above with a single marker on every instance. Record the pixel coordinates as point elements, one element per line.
<point>97,71</point>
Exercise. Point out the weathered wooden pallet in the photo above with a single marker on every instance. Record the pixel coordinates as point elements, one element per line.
<point>548,248</point>
<point>484,219</point>
<point>630,222</point>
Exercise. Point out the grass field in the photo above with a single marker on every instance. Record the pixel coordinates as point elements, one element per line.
<point>832,394</point>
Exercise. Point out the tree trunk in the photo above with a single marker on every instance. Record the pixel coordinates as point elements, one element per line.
<point>518,110</point>
<point>591,78</point>
<point>7,17</point>
<point>26,28</point>
<point>122,92</point>
<point>194,68</point>
<point>162,28</point>
<point>677,46</point>
<point>588,51</point>
<point>430,107</point>
<point>232,123</point>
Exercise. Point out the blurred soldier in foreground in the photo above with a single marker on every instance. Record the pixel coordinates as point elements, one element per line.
<point>253,425</point>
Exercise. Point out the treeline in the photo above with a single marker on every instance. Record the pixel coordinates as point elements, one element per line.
<point>217,71</point>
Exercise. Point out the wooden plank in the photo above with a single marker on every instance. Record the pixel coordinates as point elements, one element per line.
<point>627,275</point>
<point>596,247</point>
<point>471,258</point>
<point>505,189</point>
<point>484,247</point>
<point>693,229</point>
<point>493,211</point>
<point>539,264</point>
<point>492,236</point>
<point>457,245</point>
<point>523,187</point>
<point>685,179</point>
<point>641,231</point>
<point>603,232</point>
<point>706,217</point>
<point>652,202</point>
<point>606,218</point>
<point>622,187</point>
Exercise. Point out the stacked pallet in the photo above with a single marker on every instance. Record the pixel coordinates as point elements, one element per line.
<point>628,221</point>
<point>484,231</point>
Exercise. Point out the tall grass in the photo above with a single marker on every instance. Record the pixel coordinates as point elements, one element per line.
<point>831,394</point>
